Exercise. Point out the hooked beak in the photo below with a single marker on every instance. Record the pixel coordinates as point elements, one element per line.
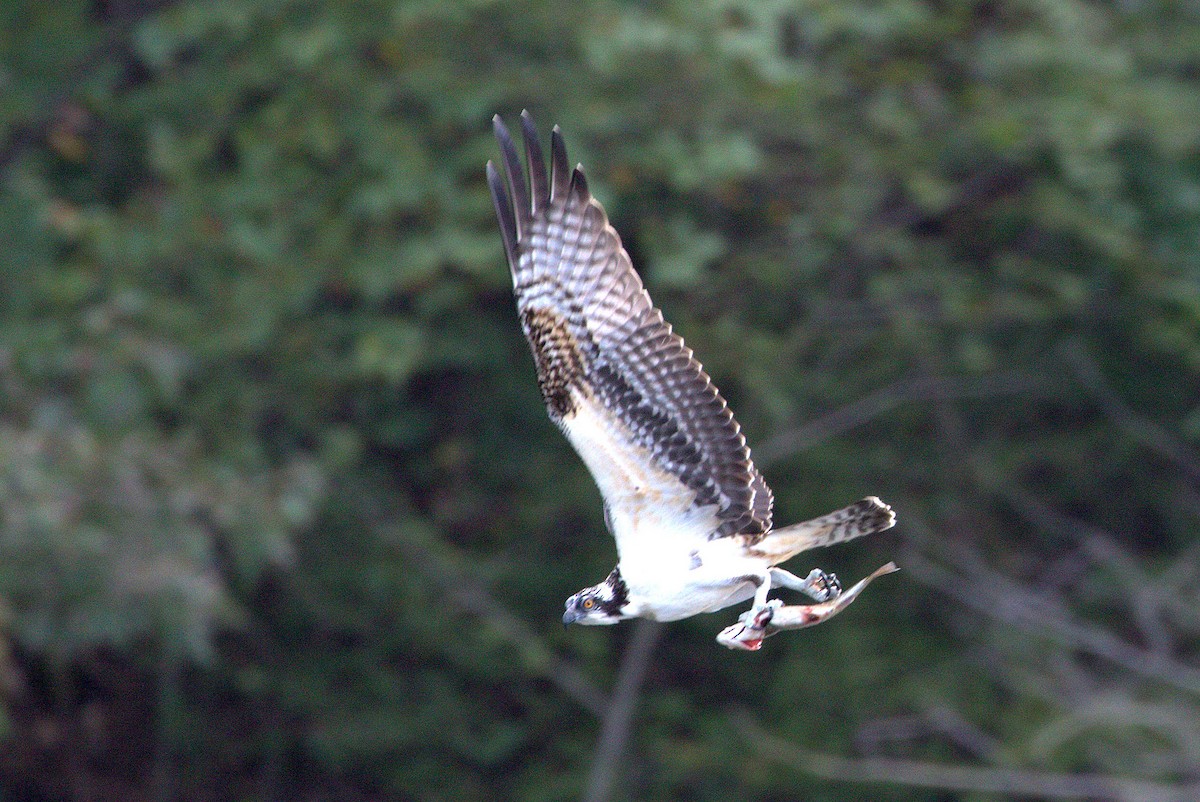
<point>571,616</point>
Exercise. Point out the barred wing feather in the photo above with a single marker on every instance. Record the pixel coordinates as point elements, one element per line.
<point>628,393</point>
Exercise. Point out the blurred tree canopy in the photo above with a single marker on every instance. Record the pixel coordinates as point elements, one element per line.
<point>281,515</point>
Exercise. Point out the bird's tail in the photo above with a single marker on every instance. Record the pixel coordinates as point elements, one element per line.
<point>860,518</point>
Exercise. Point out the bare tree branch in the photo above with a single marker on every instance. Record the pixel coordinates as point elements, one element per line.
<point>473,597</point>
<point>1146,596</point>
<point>936,721</point>
<point>879,403</point>
<point>618,720</point>
<point>1142,429</point>
<point>997,596</point>
<point>998,780</point>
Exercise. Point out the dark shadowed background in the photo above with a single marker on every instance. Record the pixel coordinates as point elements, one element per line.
<point>281,513</point>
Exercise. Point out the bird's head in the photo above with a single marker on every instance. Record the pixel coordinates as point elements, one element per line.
<point>599,604</point>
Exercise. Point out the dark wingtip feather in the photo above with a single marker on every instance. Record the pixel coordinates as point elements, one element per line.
<point>508,225</point>
<point>538,191</point>
<point>515,174</point>
<point>560,173</point>
<point>579,184</point>
<point>500,130</point>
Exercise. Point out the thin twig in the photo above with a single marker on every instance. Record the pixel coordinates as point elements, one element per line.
<point>1141,428</point>
<point>1145,595</point>
<point>880,402</point>
<point>978,779</point>
<point>1005,600</point>
<point>472,596</point>
<point>931,723</point>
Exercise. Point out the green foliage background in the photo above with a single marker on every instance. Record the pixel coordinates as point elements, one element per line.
<point>283,518</point>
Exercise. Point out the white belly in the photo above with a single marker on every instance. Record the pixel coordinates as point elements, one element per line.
<point>669,564</point>
<point>665,587</point>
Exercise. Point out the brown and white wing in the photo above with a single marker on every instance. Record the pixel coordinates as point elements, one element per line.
<point>644,416</point>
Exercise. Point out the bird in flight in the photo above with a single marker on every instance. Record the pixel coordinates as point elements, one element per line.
<point>690,513</point>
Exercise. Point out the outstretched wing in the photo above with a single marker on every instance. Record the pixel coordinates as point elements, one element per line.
<point>656,435</point>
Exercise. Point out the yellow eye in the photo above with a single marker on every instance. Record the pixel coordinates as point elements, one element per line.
<point>589,604</point>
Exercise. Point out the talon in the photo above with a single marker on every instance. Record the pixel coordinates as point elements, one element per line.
<point>824,587</point>
<point>761,617</point>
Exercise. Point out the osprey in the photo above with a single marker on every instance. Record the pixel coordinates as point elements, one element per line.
<point>690,513</point>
